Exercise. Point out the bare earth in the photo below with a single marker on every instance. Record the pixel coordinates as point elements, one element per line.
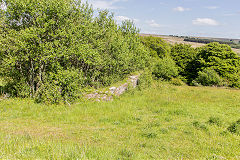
<point>173,40</point>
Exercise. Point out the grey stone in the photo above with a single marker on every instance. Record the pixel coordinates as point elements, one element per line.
<point>112,90</point>
<point>117,91</point>
<point>120,90</point>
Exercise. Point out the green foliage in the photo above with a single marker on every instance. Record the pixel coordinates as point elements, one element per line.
<point>42,41</point>
<point>215,121</point>
<point>145,80</point>
<point>209,77</point>
<point>234,127</point>
<point>177,82</point>
<point>207,65</point>
<point>64,86</point>
<point>157,46</point>
<point>165,68</point>
<point>220,58</point>
<point>183,55</point>
<point>17,89</point>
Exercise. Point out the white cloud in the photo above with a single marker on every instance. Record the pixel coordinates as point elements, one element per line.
<point>153,23</point>
<point>104,4</point>
<point>205,22</point>
<point>212,7</point>
<point>124,18</point>
<point>181,9</point>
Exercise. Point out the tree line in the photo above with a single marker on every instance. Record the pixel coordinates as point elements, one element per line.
<point>50,50</point>
<point>206,41</point>
<point>214,64</point>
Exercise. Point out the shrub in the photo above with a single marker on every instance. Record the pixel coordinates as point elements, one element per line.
<point>165,68</point>
<point>177,82</point>
<point>209,77</point>
<point>145,80</point>
<point>18,89</point>
<point>64,86</point>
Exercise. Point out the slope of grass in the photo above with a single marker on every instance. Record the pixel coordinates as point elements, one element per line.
<point>164,122</point>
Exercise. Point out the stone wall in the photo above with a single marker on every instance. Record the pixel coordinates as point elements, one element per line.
<point>114,91</point>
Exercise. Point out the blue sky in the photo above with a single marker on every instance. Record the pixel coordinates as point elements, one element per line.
<point>214,18</point>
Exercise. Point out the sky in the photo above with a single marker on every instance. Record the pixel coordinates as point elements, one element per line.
<point>204,18</point>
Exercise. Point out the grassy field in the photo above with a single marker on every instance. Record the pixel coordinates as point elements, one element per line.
<point>164,122</point>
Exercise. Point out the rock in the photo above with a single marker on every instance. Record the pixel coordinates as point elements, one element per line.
<point>106,98</point>
<point>134,80</point>
<point>112,90</point>
<point>117,91</point>
<point>120,90</point>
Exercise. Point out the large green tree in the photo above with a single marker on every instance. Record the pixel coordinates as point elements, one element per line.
<point>47,43</point>
<point>183,55</point>
<point>157,46</point>
<point>220,58</point>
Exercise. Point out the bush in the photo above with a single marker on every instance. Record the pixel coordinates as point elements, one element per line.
<point>145,80</point>
<point>209,77</point>
<point>165,68</point>
<point>234,80</point>
<point>64,86</point>
<point>177,82</point>
<point>18,89</point>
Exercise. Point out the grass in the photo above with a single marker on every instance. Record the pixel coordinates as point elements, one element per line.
<point>164,122</point>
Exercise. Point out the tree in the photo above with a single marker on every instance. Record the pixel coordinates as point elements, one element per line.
<point>157,46</point>
<point>165,68</point>
<point>220,58</point>
<point>60,43</point>
<point>183,54</point>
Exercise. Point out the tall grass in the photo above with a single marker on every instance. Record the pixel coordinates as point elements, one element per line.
<point>164,122</point>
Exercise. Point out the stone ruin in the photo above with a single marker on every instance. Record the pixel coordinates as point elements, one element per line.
<point>113,91</point>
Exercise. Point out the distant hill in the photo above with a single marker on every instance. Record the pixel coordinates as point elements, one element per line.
<point>180,39</point>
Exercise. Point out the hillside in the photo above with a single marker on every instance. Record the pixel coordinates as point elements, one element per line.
<point>164,122</point>
<point>173,40</point>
